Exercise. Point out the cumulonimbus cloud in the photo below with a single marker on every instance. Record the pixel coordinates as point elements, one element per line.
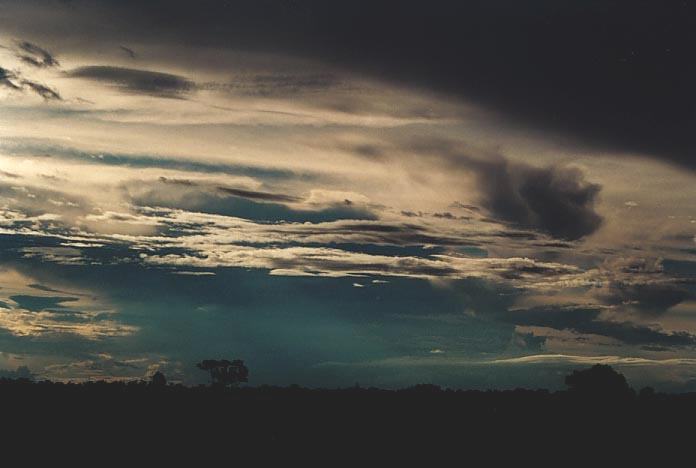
<point>554,199</point>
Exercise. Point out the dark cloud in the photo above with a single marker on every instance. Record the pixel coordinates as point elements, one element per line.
<point>649,298</point>
<point>9,174</point>
<point>615,75</point>
<point>368,151</point>
<point>137,81</point>
<point>530,341</point>
<point>656,349</point>
<point>40,303</point>
<point>129,52</point>
<point>184,182</point>
<point>262,196</point>
<point>643,285</point>
<point>42,90</point>
<point>396,234</point>
<point>587,320</point>
<point>34,55</point>
<point>22,372</point>
<point>237,192</point>
<point>42,287</point>
<point>279,84</point>
<point>243,203</point>
<point>50,148</point>
<point>8,78</point>
<point>448,215</point>
<point>557,200</point>
<point>463,206</point>
<point>15,82</point>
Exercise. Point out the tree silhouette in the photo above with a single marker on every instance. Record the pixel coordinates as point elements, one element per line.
<point>225,373</point>
<point>598,381</point>
<point>158,380</point>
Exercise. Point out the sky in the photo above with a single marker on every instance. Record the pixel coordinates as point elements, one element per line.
<point>470,194</point>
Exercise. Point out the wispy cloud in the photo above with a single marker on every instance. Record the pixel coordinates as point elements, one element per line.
<point>36,56</point>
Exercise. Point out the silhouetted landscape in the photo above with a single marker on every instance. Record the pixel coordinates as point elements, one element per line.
<point>598,410</point>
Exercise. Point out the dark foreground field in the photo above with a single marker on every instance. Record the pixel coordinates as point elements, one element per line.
<point>420,423</point>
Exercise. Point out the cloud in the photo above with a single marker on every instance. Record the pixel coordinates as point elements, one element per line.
<point>557,200</point>
<point>209,196</point>
<point>237,192</point>
<point>128,51</point>
<point>9,175</point>
<point>590,360</point>
<point>333,262</point>
<point>22,372</point>
<point>16,82</point>
<point>33,313</point>
<point>254,195</point>
<point>137,81</point>
<point>160,186</point>
<point>529,341</point>
<point>554,199</point>
<point>278,84</point>
<point>34,55</point>
<point>642,285</point>
<point>42,90</point>
<point>648,298</point>
<point>8,79</point>
<point>102,366</point>
<point>533,62</point>
<point>589,321</point>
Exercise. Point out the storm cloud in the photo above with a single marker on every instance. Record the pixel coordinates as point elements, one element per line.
<point>615,75</point>
<point>555,199</point>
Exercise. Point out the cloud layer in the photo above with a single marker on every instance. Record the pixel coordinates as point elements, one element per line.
<point>451,194</point>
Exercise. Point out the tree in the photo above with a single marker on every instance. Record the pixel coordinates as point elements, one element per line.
<point>598,381</point>
<point>225,373</point>
<point>158,380</point>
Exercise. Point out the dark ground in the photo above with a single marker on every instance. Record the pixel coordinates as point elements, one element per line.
<point>169,423</point>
